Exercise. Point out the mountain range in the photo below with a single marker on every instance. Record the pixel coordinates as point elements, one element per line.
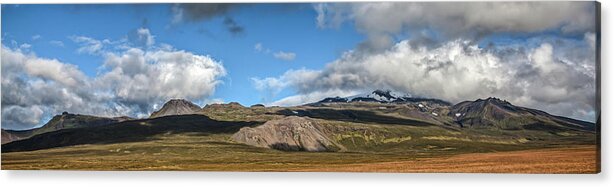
<point>327,125</point>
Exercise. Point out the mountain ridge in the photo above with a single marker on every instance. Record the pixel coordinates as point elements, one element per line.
<point>490,112</point>
<point>484,115</point>
<point>176,107</point>
<point>58,122</point>
<point>381,96</point>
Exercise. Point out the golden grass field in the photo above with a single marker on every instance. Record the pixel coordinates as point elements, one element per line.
<point>195,153</point>
<point>581,159</point>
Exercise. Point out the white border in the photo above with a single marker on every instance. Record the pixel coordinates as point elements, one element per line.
<point>269,179</point>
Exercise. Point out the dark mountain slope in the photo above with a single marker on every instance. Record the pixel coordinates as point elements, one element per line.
<point>128,131</point>
<point>493,112</point>
<point>58,122</point>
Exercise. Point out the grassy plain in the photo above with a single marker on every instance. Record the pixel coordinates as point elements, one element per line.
<point>380,141</point>
<point>218,153</point>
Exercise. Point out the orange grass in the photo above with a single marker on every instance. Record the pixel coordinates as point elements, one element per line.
<point>556,160</point>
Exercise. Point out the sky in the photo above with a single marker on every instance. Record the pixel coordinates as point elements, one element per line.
<point>128,59</point>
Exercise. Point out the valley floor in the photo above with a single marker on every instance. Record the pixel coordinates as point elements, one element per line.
<point>216,153</point>
<point>581,159</point>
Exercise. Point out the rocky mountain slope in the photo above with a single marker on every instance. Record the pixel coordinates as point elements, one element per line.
<point>9,136</point>
<point>176,107</point>
<point>289,134</point>
<point>494,112</point>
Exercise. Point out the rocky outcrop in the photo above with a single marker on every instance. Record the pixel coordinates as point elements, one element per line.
<point>288,134</point>
<point>176,107</point>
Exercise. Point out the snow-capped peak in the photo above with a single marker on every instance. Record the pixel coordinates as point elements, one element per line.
<point>381,96</point>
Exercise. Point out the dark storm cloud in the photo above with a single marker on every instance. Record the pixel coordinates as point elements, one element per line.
<point>232,26</point>
<point>207,11</point>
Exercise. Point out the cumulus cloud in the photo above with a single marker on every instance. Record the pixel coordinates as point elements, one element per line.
<point>21,115</point>
<point>545,77</point>
<point>381,21</point>
<point>132,81</point>
<point>141,78</point>
<point>287,56</point>
<point>34,86</point>
<point>430,49</point>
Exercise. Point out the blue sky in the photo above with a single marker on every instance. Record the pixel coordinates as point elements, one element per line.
<point>276,27</point>
<point>128,59</point>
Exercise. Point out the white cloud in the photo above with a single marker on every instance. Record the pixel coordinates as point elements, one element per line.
<point>145,77</point>
<point>590,38</point>
<point>457,70</point>
<point>281,55</point>
<point>437,56</point>
<point>25,46</point>
<point>269,87</point>
<point>146,36</point>
<point>89,45</point>
<point>311,97</point>
<point>57,43</point>
<point>31,84</point>
<point>331,15</point>
<point>177,14</point>
<point>131,82</point>
<point>320,19</point>
<point>21,115</point>
<point>268,84</point>
<point>142,37</point>
<point>15,61</point>
<point>543,59</point>
<point>258,47</point>
<point>36,37</point>
<point>287,56</point>
<point>213,101</point>
<point>382,20</point>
